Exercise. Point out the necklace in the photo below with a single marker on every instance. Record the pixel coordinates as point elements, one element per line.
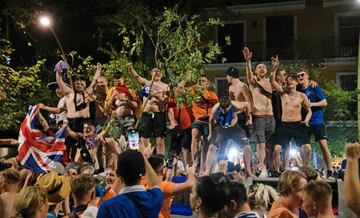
<point>292,97</point>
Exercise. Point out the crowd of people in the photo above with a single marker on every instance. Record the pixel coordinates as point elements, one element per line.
<point>125,176</point>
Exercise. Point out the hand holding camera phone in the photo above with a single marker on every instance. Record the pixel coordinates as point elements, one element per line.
<point>133,139</point>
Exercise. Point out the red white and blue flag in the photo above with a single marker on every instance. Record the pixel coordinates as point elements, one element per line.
<point>37,151</point>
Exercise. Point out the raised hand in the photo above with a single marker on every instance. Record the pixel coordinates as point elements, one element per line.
<point>352,151</point>
<point>247,54</point>
<point>275,62</point>
<point>129,66</point>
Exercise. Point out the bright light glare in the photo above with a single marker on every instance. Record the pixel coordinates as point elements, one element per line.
<point>293,152</point>
<point>358,1</point>
<point>232,153</point>
<point>45,21</point>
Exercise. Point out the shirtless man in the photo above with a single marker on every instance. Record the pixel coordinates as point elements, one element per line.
<point>291,125</point>
<point>225,117</point>
<point>239,91</point>
<point>77,103</point>
<point>122,101</point>
<point>264,123</point>
<point>153,120</point>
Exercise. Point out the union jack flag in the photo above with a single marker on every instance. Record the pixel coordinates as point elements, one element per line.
<point>37,151</point>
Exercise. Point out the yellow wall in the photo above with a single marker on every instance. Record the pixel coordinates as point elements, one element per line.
<point>315,22</point>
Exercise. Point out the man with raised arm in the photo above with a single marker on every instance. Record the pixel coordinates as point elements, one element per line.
<point>317,122</point>
<point>291,125</point>
<point>225,117</point>
<point>153,119</point>
<point>264,123</point>
<point>77,103</point>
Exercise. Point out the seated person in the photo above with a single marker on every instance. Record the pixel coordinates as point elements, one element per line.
<point>85,141</point>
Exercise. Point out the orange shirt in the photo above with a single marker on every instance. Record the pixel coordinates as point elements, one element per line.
<point>167,189</point>
<point>108,194</point>
<point>203,107</point>
<point>278,210</point>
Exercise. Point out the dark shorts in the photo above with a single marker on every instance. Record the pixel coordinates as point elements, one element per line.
<point>242,123</point>
<point>291,130</point>
<point>202,127</point>
<point>221,136</point>
<point>152,124</point>
<point>319,132</point>
<point>76,125</point>
<point>263,128</point>
<point>181,138</point>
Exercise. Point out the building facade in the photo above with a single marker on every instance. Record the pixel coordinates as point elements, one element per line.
<point>325,31</point>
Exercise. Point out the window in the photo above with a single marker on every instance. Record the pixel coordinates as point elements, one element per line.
<point>280,36</point>
<point>348,30</point>
<point>221,86</point>
<point>348,82</point>
<point>236,32</point>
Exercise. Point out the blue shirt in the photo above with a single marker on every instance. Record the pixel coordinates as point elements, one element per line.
<point>315,94</point>
<point>250,214</point>
<point>122,206</point>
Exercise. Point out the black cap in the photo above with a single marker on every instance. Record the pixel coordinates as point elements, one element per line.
<point>233,72</point>
<point>131,166</point>
<point>52,86</point>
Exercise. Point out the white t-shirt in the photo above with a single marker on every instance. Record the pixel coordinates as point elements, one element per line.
<point>62,115</point>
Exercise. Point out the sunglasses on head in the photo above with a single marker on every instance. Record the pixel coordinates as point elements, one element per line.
<point>300,75</point>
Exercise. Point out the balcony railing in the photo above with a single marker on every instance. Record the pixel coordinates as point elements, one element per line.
<point>302,49</point>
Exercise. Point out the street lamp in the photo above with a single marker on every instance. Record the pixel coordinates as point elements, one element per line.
<point>46,22</point>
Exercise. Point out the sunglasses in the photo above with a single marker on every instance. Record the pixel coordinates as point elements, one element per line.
<point>300,75</point>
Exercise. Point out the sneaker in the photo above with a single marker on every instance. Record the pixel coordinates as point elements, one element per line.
<point>263,174</point>
<point>274,174</point>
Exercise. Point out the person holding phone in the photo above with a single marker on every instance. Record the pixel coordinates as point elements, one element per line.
<point>153,120</point>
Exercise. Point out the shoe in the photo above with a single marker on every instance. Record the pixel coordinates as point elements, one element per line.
<point>263,174</point>
<point>274,174</point>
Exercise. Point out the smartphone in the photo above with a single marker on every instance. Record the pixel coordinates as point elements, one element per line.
<point>133,139</point>
<point>99,191</point>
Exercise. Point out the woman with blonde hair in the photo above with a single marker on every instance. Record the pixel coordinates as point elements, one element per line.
<point>32,202</point>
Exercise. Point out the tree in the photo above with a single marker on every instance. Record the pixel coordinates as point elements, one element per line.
<point>22,87</point>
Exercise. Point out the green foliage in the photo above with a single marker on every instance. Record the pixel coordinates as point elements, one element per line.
<point>21,86</point>
<point>338,101</point>
<point>131,43</point>
<point>179,47</point>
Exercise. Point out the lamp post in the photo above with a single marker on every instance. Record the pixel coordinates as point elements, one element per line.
<point>46,22</point>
